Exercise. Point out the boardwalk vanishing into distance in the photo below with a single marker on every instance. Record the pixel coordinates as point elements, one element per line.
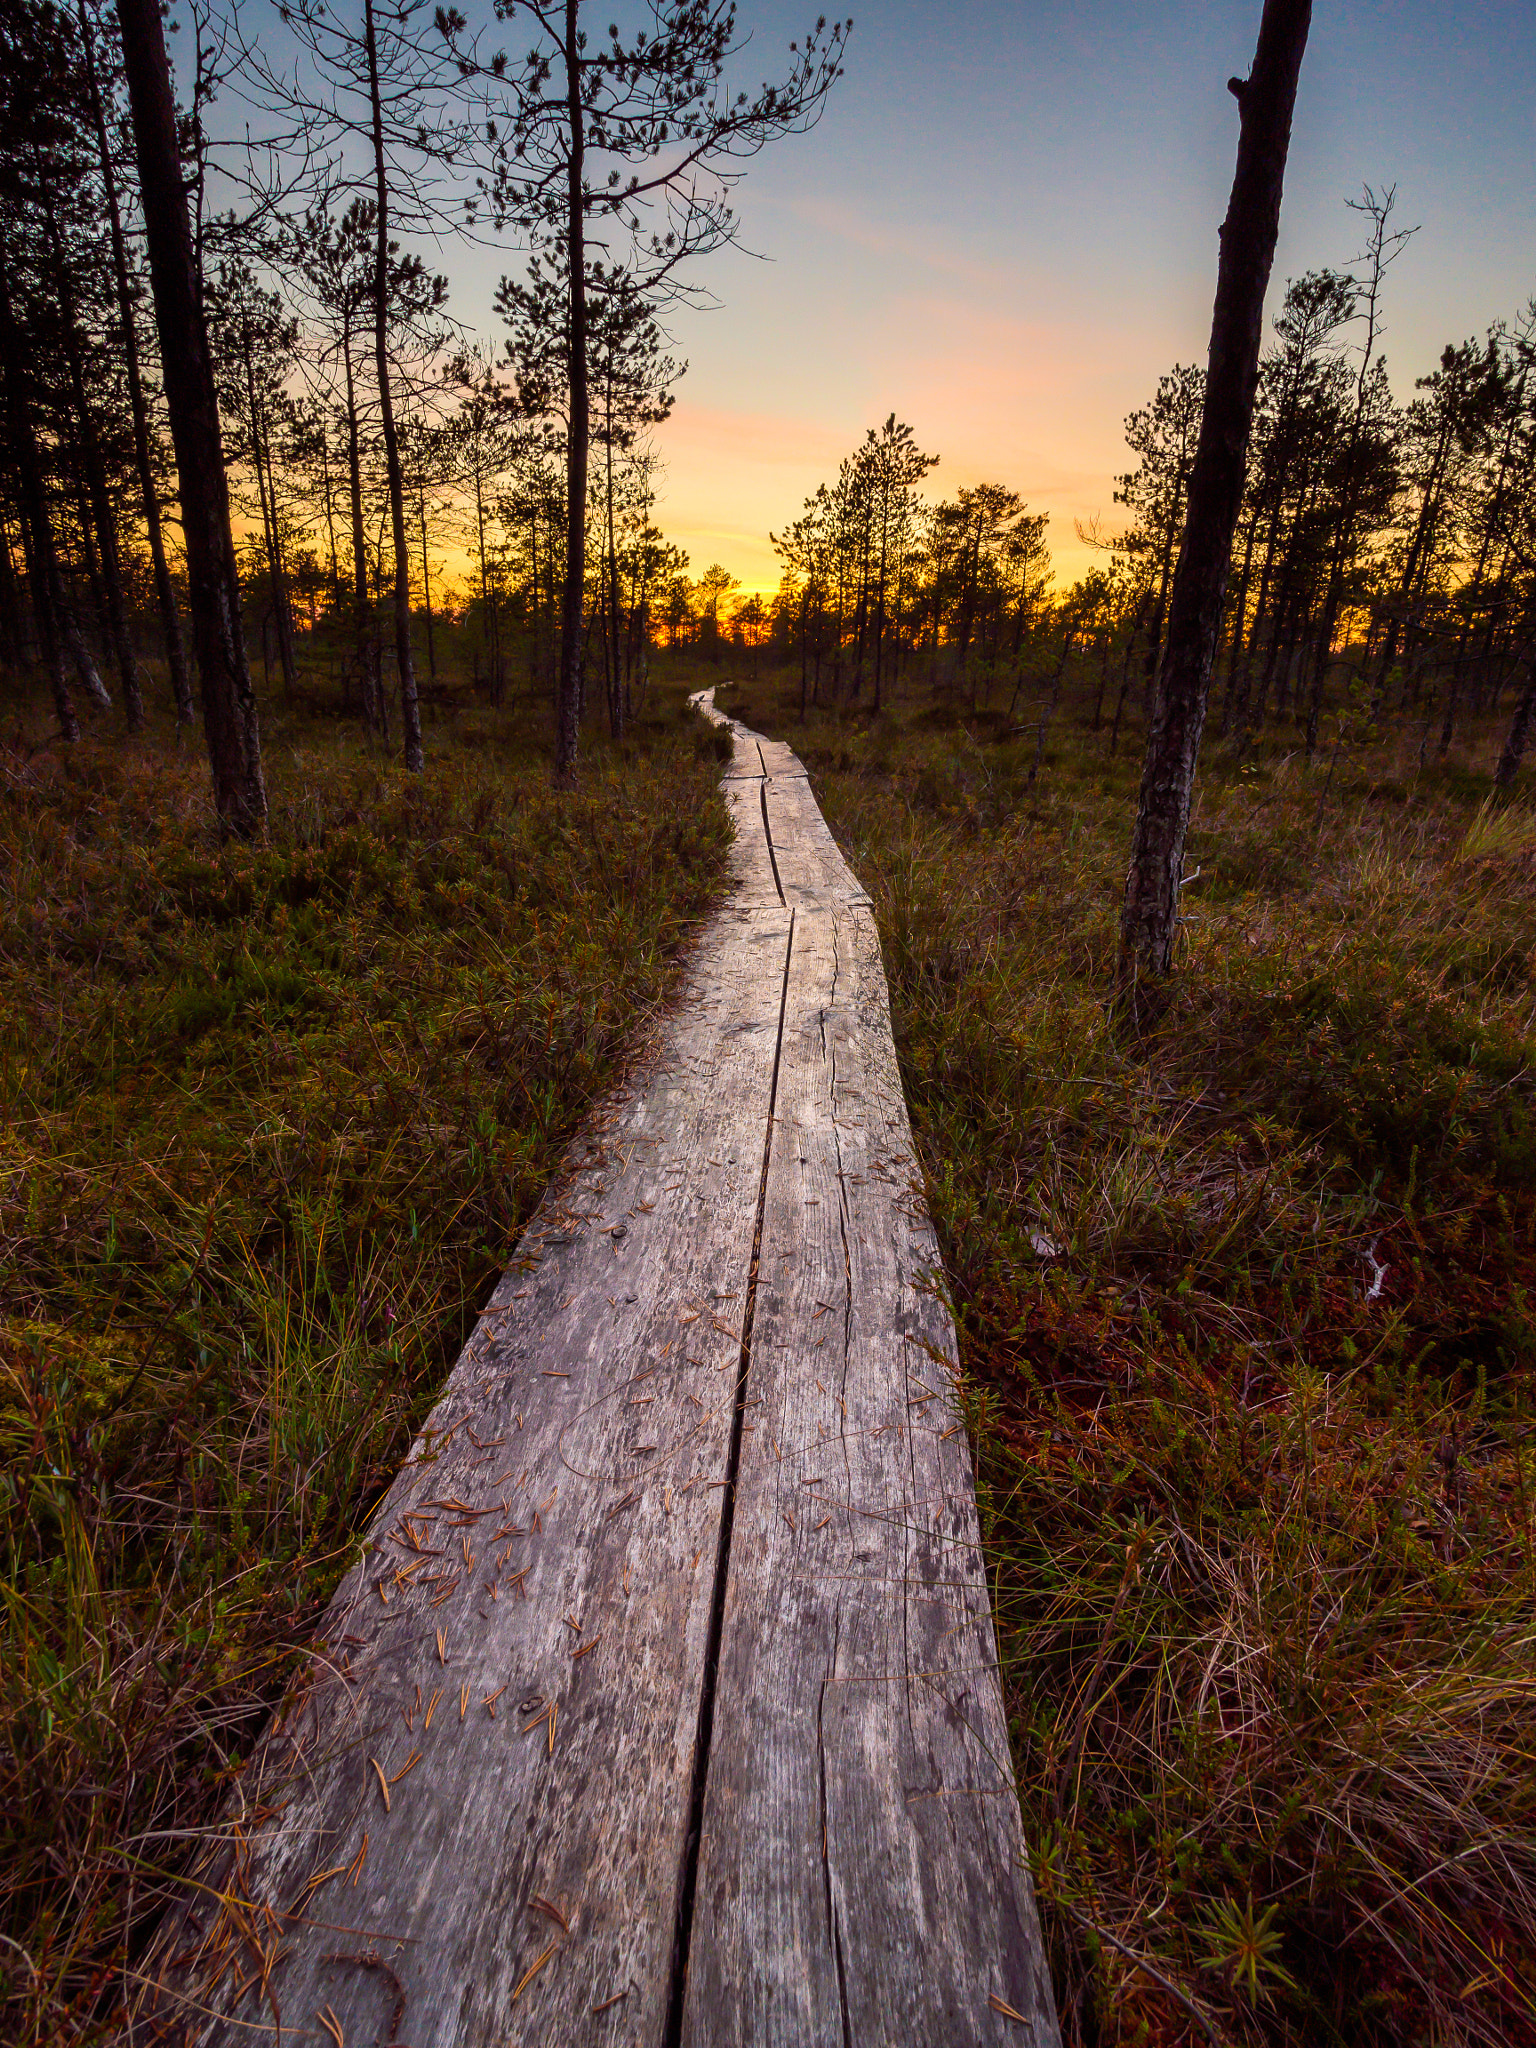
<point>662,1706</point>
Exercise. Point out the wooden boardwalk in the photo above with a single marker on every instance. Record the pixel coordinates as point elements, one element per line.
<point>662,1707</point>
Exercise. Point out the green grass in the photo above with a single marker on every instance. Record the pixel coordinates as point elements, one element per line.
<point>1261,1530</point>
<point>271,1119</point>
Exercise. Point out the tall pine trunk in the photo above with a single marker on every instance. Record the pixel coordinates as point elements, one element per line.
<point>426,583</point>
<point>617,707</point>
<point>364,641</point>
<point>229,702</point>
<point>266,493</point>
<point>37,532</point>
<point>165,595</point>
<point>410,710</point>
<point>1150,918</point>
<point>96,514</point>
<point>568,700</point>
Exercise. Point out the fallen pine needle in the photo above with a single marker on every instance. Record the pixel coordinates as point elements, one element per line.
<point>542,1905</point>
<point>532,1971</point>
<point>409,1765</point>
<point>383,1781</point>
<point>592,1645</point>
<point>1008,2012</point>
<point>358,1860</point>
<point>332,2026</point>
<point>313,1884</point>
<point>431,1704</point>
<point>610,2001</point>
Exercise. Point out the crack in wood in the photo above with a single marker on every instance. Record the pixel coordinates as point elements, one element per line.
<point>773,859</point>
<point>673,2032</point>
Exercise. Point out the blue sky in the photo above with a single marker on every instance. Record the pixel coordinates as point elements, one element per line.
<point>1004,229</point>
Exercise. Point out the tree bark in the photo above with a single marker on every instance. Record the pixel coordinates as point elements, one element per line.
<point>568,702</point>
<point>165,595</point>
<point>1150,918</point>
<point>410,710</point>
<point>96,511</point>
<point>229,702</point>
<point>617,707</point>
<point>363,638</point>
<point>426,583</point>
<point>37,533</point>
<point>12,637</point>
<point>266,493</point>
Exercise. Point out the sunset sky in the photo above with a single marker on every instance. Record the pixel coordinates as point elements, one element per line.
<point>1004,230</point>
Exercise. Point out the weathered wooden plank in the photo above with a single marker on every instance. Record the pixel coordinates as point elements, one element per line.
<point>861,1872</point>
<point>518,1723</point>
<point>810,864</point>
<point>617,1733</point>
<point>779,758</point>
<point>751,860</point>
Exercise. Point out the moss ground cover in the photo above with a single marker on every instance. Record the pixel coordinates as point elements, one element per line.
<point>1247,1307</point>
<point>271,1118</point>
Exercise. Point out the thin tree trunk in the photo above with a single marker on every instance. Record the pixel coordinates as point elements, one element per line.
<point>165,595</point>
<point>10,601</point>
<point>616,684</point>
<point>1048,714</point>
<point>568,711</point>
<point>364,640</point>
<point>105,523</point>
<point>96,514</point>
<point>1239,619</point>
<point>262,464</point>
<point>410,710</point>
<point>1149,921</point>
<point>426,584</point>
<point>229,703</point>
<point>1424,525</point>
<point>37,532</point>
<point>282,596</point>
<point>330,519</point>
<point>535,601</point>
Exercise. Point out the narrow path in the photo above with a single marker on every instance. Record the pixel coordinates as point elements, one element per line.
<point>663,1708</point>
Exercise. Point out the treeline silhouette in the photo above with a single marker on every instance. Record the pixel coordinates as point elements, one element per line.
<point>1383,566</point>
<point>179,309</point>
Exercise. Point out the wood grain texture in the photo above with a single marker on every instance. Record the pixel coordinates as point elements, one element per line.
<point>861,1873</point>
<point>556,1528</point>
<point>662,1704</point>
<point>811,867</point>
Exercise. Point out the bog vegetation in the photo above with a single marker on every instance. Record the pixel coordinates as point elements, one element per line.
<point>1244,1277</point>
<point>1247,1310</point>
<point>271,1118</point>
